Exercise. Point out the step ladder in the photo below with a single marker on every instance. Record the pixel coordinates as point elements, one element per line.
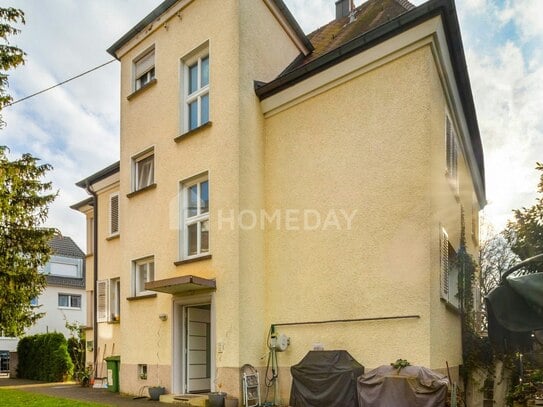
<point>251,389</point>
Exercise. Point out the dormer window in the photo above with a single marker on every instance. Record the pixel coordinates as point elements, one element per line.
<point>144,69</point>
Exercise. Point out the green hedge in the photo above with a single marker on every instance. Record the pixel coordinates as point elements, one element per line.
<point>44,357</point>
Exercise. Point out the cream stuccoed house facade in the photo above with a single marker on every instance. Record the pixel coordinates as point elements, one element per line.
<point>269,177</point>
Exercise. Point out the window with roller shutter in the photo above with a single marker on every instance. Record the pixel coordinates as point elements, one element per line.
<point>144,69</point>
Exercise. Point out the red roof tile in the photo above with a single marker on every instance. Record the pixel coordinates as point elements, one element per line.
<point>364,18</point>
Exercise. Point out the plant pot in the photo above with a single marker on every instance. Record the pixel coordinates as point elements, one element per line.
<point>216,399</point>
<point>156,392</point>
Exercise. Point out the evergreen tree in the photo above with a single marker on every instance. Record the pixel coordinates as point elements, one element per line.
<point>10,56</point>
<point>24,248</point>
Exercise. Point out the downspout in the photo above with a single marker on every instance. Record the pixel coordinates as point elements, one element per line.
<point>90,191</point>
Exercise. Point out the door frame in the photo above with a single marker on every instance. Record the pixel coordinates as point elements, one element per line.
<point>178,339</point>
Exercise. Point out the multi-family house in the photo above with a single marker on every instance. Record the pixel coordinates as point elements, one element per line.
<point>273,181</point>
<point>62,301</point>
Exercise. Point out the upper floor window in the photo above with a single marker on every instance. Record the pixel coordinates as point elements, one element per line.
<point>196,89</point>
<point>143,272</point>
<point>449,270</point>
<point>114,214</point>
<point>452,155</point>
<point>144,69</point>
<point>69,301</point>
<point>143,170</point>
<point>195,215</point>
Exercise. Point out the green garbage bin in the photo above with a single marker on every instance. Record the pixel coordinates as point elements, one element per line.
<point>113,366</point>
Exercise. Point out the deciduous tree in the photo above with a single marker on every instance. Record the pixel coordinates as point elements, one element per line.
<point>525,231</point>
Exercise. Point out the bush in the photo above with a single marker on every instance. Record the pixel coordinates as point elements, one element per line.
<point>44,357</point>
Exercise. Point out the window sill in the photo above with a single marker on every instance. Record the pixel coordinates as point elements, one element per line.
<point>192,132</point>
<point>142,89</point>
<point>114,322</point>
<point>192,260</point>
<point>141,190</point>
<point>453,308</point>
<point>141,297</point>
<point>113,237</point>
<point>72,308</point>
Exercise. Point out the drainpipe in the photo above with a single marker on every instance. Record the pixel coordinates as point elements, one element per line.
<point>90,191</point>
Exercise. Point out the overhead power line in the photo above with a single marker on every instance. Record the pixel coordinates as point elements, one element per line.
<point>62,83</point>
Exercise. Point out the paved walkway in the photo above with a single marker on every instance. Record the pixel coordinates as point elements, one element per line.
<point>76,392</point>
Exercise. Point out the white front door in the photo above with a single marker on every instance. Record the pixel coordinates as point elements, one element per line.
<point>197,349</point>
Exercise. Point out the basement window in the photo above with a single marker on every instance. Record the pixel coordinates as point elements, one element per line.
<point>142,371</point>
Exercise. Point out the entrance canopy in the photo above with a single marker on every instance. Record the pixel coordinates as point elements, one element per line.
<point>181,285</point>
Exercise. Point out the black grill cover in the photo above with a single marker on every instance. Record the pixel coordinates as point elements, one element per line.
<point>325,379</point>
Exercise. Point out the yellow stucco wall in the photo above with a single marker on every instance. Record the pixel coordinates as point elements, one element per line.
<point>381,166</point>
<point>152,118</point>
<point>321,156</point>
<point>109,339</point>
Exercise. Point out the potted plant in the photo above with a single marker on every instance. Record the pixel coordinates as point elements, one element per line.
<point>156,391</point>
<point>216,399</point>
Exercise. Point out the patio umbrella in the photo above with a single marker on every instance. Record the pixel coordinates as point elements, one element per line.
<point>515,308</point>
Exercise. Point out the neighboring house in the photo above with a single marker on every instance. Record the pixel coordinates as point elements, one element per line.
<point>270,177</point>
<point>63,299</point>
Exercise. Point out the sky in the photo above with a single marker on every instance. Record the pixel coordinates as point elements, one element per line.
<point>75,127</point>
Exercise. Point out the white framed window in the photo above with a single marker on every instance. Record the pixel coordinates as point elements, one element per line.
<point>143,272</point>
<point>452,154</point>
<point>108,300</point>
<point>114,214</point>
<point>196,89</point>
<point>143,170</point>
<point>448,270</point>
<point>144,69</point>
<point>195,216</point>
<point>115,299</point>
<point>69,301</point>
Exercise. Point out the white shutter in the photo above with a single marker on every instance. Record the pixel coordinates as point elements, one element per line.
<point>452,155</point>
<point>102,288</point>
<point>444,263</point>
<point>114,214</point>
<point>145,63</point>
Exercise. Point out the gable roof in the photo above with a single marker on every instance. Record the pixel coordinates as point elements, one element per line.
<point>100,175</point>
<point>367,16</point>
<point>351,44</point>
<point>65,246</point>
<point>165,5</point>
